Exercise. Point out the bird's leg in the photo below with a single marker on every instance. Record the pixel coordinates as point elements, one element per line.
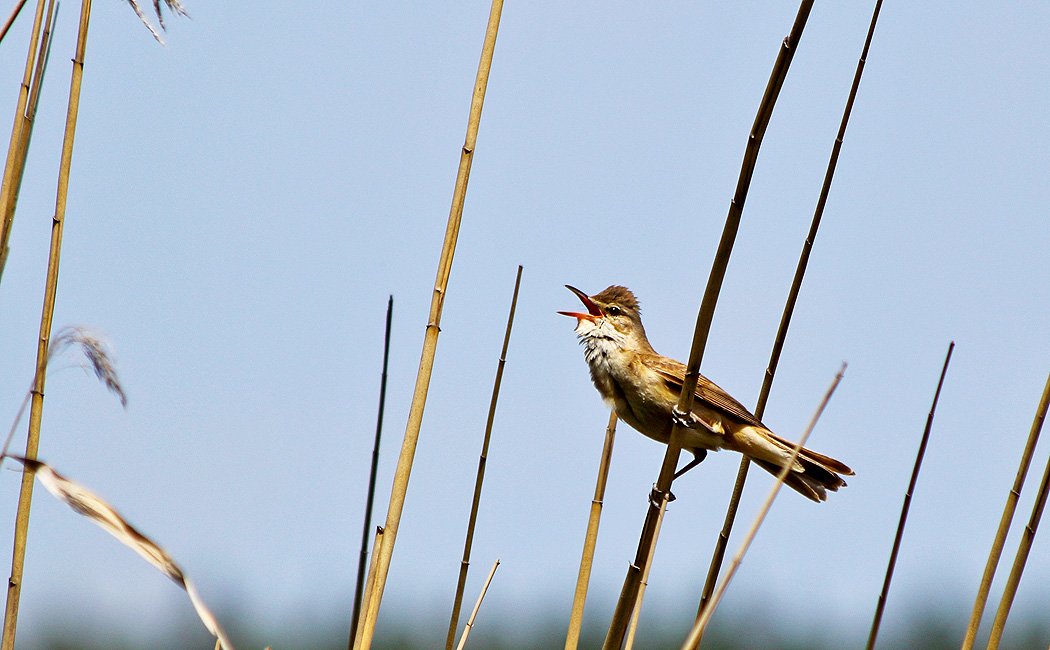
<point>698,457</point>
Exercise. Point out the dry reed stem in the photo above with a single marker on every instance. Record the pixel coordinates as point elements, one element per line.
<point>11,19</point>
<point>36,408</point>
<point>370,498</point>
<point>8,185</point>
<point>464,565</point>
<point>26,133</point>
<point>622,613</point>
<point>693,640</point>
<point>637,609</point>
<point>907,505</point>
<point>1007,518</point>
<point>426,364</point>
<point>572,639</point>
<point>477,606</point>
<point>369,583</point>
<point>785,321</point>
<point>1022,551</point>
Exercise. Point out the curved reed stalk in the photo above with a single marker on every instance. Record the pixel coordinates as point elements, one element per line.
<point>785,321</point>
<point>907,505</point>
<point>1007,518</point>
<point>692,642</point>
<point>629,593</point>
<point>415,417</point>
<point>465,563</point>
<point>26,495</point>
<point>572,639</point>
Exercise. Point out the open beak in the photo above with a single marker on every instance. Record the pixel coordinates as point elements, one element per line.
<point>593,311</point>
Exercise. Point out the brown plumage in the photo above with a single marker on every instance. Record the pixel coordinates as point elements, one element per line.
<point>643,388</point>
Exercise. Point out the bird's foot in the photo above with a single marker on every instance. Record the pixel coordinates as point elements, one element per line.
<point>689,420</point>
<point>656,496</point>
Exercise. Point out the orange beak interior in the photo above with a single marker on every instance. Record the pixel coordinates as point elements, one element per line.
<point>593,311</point>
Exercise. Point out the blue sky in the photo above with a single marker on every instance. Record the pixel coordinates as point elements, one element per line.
<point>244,200</point>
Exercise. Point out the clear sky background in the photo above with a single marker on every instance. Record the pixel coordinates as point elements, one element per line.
<point>244,200</point>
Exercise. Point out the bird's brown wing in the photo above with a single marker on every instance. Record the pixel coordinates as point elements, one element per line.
<point>707,391</point>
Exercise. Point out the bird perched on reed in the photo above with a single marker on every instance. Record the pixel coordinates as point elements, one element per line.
<point>643,387</point>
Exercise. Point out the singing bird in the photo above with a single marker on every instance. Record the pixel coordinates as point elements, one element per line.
<point>643,388</point>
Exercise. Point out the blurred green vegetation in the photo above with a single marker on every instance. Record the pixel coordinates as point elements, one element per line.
<point>414,629</point>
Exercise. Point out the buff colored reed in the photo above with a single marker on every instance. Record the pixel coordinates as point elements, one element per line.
<point>464,565</point>
<point>415,418</point>
<point>1007,518</point>
<point>692,642</point>
<point>785,321</point>
<point>629,593</point>
<point>26,495</point>
<point>572,639</point>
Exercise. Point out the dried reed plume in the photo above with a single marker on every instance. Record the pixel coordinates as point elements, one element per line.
<point>91,506</point>
<point>173,6</point>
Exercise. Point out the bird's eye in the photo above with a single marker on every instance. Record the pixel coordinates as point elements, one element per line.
<point>613,310</point>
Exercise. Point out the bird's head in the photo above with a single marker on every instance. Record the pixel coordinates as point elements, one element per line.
<point>612,314</point>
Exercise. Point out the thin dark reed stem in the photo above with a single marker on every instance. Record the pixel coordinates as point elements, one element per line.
<point>907,505</point>
<point>403,471</point>
<point>1007,518</point>
<point>629,593</point>
<point>789,308</point>
<point>572,639</point>
<point>465,563</point>
<point>36,409</point>
<point>362,560</point>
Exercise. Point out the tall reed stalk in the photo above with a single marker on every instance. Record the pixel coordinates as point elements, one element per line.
<point>15,153</point>
<point>426,364</point>
<point>692,642</point>
<point>1023,550</point>
<point>629,592</point>
<point>785,321</point>
<point>632,631</point>
<point>362,558</point>
<point>36,409</point>
<point>572,639</point>
<point>1007,518</point>
<point>464,565</point>
<point>907,505</point>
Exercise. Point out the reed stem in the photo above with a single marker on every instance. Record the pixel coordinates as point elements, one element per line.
<point>572,639</point>
<point>426,364</point>
<point>1007,518</point>
<point>628,595</point>
<point>692,642</point>
<point>1022,550</point>
<point>477,606</point>
<point>907,505</point>
<point>362,559</point>
<point>465,563</point>
<point>785,321</point>
<point>637,610</point>
<point>14,162</point>
<point>36,408</point>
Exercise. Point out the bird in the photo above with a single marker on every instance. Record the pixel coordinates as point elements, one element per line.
<point>644,387</point>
